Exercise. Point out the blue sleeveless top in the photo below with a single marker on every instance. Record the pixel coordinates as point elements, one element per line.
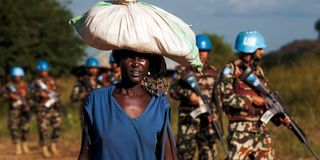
<point>114,135</point>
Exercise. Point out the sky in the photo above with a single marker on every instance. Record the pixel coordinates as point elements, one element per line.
<point>280,21</point>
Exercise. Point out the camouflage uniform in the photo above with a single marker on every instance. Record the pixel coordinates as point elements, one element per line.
<point>47,114</point>
<point>248,137</point>
<point>19,111</point>
<point>193,132</point>
<point>83,87</point>
<point>109,78</point>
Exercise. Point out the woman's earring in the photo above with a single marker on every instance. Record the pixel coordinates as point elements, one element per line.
<point>149,73</point>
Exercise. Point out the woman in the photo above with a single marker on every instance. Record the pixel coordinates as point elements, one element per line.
<point>130,120</point>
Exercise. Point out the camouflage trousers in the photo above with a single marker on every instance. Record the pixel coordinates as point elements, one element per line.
<point>18,124</point>
<point>191,136</point>
<point>253,145</point>
<point>47,117</point>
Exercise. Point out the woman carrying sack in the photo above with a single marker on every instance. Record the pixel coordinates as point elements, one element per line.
<point>131,120</point>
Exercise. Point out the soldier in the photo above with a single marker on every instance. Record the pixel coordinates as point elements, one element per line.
<point>48,108</point>
<point>19,111</point>
<point>193,132</point>
<point>113,76</point>
<point>248,137</point>
<point>86,83</point>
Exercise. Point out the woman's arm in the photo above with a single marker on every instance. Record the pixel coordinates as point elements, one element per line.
<point>84,151</point>
<point>170,149</point>
<point>85,142</point>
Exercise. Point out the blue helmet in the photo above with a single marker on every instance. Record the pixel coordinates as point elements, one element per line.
<point>16,72</point>
<point>249,41</point>
<point>43,65</point>
<point>203,42</point>
<point>92,62</point>
<point>111,58</point>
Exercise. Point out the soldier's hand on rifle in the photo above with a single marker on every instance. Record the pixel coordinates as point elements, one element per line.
<point>258,101</point>
<point>213,118</point>
<point>194,98</point>
<point>286,121</point>
<point>44,94</point>
<point>13,96</point>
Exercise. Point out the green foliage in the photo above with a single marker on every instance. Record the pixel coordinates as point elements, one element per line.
<point>221,52</point>
<point>32,30</point>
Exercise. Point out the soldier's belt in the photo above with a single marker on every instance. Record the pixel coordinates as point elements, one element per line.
<point>237,118</point>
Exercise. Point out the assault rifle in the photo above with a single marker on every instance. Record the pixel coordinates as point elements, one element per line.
<point>204,108</point>
<point>277,106</point>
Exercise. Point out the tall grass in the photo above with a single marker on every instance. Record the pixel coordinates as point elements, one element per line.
<point>299,85</point>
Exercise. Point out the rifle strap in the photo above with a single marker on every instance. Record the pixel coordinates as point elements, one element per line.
<point>42,85</point>
<point>12,88</point>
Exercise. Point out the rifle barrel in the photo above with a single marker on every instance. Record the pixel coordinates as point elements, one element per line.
<point>301,136</point>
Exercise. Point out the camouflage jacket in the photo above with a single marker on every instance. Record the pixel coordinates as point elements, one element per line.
<point>47,85</point>
<point>109,78</point>
<point>237,95</point>
<point>21,90</point>
<point>180,90</point>
<point>83,86</point>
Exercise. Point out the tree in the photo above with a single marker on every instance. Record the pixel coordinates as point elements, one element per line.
<point>221,52</point>
<point>317,27</point>
<point>32,30</point>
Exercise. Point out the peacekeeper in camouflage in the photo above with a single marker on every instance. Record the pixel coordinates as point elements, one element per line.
<point>248,136</point>
<point>198,131</point>
<point>113,75</point>
<point>19,110</point>
<point>48,109</point>
<point>88,82</point>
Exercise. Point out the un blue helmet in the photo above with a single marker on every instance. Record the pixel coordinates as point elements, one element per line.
<point>92,62</point>
<point>203,42</point>
<point>111,58</point>
<point>16,72</point>
<point>43,65</point>
<point>249,42</point>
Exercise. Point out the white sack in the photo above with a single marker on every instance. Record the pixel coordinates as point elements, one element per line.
<point>139,27</point>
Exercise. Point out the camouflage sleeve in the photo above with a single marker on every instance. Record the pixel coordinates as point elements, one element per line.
<point>76,93</point>
<point>229,97</point>
<point>178,92</point>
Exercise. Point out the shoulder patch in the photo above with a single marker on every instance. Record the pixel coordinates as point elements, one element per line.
<point>227,72</point>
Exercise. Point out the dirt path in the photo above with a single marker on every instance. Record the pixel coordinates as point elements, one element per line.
<point>68,151</point>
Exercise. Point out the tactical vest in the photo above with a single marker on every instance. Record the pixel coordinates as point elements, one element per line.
<point>253,113</point>
<point>21,90</point>
<point>50,85</point>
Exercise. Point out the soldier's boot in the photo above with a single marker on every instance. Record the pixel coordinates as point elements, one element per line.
<point>18,149</point>
<point>54,149</point>
<point>45,152</point>
<point>25,147</point>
